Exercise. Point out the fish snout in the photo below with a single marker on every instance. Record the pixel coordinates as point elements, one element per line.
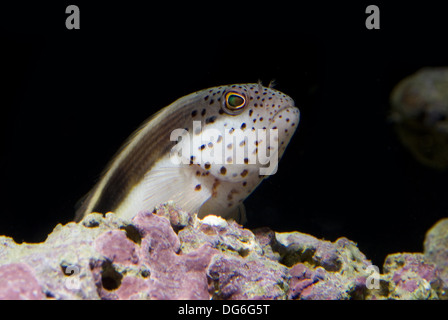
<point>288,116</point>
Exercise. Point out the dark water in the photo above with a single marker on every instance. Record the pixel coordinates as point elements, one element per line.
<point>72,97</point>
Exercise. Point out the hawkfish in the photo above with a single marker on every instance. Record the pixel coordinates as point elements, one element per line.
<point>206,152</point>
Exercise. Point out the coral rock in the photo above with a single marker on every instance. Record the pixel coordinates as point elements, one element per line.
<point>170,273</point>
<point>436,251</point>
<point>315,284</point>
<point>17,282</point>
<point>239,278</point>
<point>411,277</point>
<point>171,254</point>
<point>322,269</point>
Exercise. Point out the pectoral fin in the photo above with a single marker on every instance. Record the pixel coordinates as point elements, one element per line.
<point>185,185</point>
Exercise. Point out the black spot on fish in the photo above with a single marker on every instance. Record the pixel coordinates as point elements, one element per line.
<point>223,170</point>
<point>194,113</point>
<point>244,173</point>
<point>198,187</point>
<point>243,126</point>
<point>204,111</point>
<point>207,165</point>
<point>210,119</point>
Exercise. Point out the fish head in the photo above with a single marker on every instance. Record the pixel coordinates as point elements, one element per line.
<point>241,132</point>
<point>244,130</point>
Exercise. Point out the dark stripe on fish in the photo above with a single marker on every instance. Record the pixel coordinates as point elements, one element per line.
<point>139,159</point>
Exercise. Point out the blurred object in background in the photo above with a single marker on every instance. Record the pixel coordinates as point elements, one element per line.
<point>420,113</point>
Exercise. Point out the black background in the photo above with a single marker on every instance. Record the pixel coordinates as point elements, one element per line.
<point>71,97</point>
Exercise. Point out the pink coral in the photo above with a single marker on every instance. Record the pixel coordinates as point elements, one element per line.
<point>17,282</point>
<point>172,275</point>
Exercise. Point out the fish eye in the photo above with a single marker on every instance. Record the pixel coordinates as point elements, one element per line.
<point>235,101</point>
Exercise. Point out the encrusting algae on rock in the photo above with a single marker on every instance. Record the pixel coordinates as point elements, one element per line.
<point>171,254</point>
